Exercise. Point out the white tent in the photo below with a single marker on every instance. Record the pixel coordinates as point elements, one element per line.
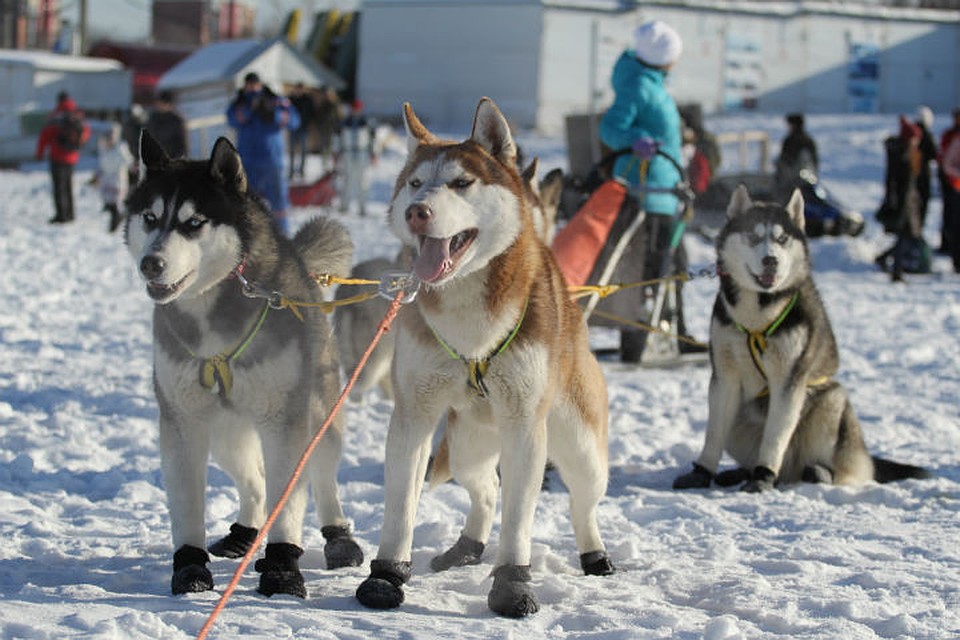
<point>205,82</point>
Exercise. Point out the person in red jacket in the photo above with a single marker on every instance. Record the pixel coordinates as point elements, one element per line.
<point>949,163</point>
<point>64,133</point>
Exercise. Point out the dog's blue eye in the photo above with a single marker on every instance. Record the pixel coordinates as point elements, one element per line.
<point>415,183</point>
<point>461,183</point>
<point>150,219</point>
<point>783,239</point>
<point>196,223</point>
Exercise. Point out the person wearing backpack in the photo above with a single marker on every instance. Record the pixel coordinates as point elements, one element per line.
<point>64,133</point>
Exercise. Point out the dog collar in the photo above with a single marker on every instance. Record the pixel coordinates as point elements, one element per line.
<point>477,367</point>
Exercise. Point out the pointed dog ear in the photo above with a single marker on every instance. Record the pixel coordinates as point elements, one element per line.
<point>529,175</point>
<point>225,166</point>
<point>152,155</point>
<point>795,209</point>
<point>739,202</point>
<point>492,132</point>
<point>417,134</point>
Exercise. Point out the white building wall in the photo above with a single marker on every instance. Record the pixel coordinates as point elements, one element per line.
<point>542,61</point>
<point>444,57</point>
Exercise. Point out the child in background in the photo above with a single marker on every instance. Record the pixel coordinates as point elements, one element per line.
<point>114,161</point>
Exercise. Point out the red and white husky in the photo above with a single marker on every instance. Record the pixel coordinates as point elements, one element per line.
<point>494,343</point>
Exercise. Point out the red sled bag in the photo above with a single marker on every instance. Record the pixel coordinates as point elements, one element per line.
<point>318,194</point>
<point>577,245</point>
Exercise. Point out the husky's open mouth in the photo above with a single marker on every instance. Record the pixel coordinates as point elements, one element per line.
<point>159,291</point>
<point>766,279</point>
<point>439,256</point>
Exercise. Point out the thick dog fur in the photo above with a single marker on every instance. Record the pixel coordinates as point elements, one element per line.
<point>192,227</point>
<point>486,276</point>
<point>775,406</point>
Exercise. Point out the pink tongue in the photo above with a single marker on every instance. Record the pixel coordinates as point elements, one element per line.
<point>434,259</point>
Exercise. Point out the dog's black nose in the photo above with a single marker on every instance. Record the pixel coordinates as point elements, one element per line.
<point>769,262</point>
<point>152,266</point>
<point>417,215</point>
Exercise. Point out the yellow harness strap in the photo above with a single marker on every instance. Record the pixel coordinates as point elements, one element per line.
<point>477,367</point>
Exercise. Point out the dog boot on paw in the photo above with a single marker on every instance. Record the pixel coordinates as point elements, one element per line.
<point>699,478</point>
<point>511,595</point>
<point>763,480</point>
<point>236,543</point>
<point>596,563</point>
<point>190,573</point>
<point>383,589</point>
<point>341,550</point>
<point>280,570</point>
<point>465,551</point>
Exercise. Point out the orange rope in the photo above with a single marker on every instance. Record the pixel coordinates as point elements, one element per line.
<point>382,328</point>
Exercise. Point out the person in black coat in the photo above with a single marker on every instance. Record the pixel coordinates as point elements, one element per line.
<point>302,101</point>
<point>798,151</point>
<point>167,126</point>
<point>928,153</point>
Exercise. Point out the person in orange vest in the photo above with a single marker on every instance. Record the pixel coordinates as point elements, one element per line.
<point>64,133</point>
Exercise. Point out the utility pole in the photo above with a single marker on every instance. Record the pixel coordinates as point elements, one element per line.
<point>83,27</point>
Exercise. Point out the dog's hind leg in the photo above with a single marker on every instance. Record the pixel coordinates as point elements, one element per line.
<point>474,450</point>
<point>239,452</point>
<point>340,550</point>
<point>584,471</point>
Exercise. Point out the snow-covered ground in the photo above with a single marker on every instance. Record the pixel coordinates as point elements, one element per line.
<point>87,553</point>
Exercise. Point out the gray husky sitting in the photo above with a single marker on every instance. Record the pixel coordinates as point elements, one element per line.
<point>236,375</point>
<point>774,404</point>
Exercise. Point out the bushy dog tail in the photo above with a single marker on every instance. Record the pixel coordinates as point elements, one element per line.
<point>325,246</point>
<point>890,471</point>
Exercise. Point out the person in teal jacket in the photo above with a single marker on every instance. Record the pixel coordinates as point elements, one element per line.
<point>259,117</point>
<point>644,120</point>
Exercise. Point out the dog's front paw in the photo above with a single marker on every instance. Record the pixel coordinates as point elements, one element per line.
<point>511,595</point>
<point>732,477</point>
<point>383,589</point>
<point>699,478</point>
<point>280,570</point>
<point>190,573</point>
<point>236,543</point>
<point>341,550</point>
<point>464,552</point>
<point>596,563</point>
<point>763,480</point>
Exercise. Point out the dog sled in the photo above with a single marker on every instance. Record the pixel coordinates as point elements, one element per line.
<point>591,248</point>
<point>824,214</point>
<point>319,193</point>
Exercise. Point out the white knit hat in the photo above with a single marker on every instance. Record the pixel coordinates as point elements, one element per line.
<point>657,43</point>
<point>925,116</point>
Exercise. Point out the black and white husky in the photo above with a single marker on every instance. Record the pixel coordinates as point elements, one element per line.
<point>774,404</point>
<point>236,375</point>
